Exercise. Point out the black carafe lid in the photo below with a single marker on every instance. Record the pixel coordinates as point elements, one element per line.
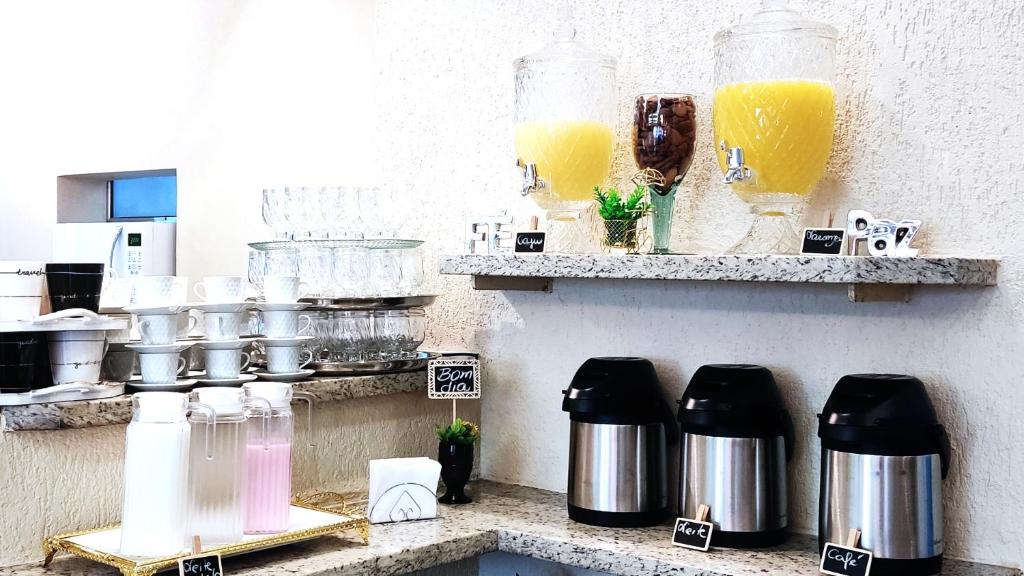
<point>618,390</point>
<point>735,401</point>
<point>882,414</point>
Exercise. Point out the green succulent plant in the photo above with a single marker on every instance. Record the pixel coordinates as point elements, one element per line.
<point>611,205</point>
<point>459,432</point>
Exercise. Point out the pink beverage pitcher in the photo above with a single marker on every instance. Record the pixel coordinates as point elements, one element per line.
<point>268,456</point>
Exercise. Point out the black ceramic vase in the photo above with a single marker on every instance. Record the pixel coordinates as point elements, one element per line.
<point>456,466</point>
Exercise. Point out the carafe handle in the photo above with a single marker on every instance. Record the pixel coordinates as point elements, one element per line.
<point>308,399</point>
<point>263,406</point>
<point>211,425</point>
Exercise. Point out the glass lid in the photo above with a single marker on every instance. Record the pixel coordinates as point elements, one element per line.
<point>776,17</point>
<point>564,48</point>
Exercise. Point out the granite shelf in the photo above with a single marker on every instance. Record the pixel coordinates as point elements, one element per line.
<point>89,413</point>
<point>536,271</point>
<point>517,520</point>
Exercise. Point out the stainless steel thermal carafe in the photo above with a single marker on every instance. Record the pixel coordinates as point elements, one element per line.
<point>620,426</point>
<point>736,439</point>
<point>883,458</point>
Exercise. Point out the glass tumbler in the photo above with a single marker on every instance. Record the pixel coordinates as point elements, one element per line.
<point>417,320</point>
<point>411,270</point>
<point>390,330</point>
<point>352,336</point>
<point>350,272</point>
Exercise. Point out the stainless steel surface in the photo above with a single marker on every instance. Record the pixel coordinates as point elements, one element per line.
<point>383,366</point>
<point>736,164</point>
<point>531,181</point>
<point>381,303</point>
<point>617,468</point>
<point>742,480</point>
<point>372,243</point>
<point>895,501</point>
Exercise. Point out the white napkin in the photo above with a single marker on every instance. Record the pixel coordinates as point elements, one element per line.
<point>403,489</point>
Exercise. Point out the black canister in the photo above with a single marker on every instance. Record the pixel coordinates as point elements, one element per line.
<point>18,361</point>
<point>74,286</point>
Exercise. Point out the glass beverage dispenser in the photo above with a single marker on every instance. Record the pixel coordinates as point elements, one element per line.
<point>268,458</point>
<point>774,112</point>
<point>565,117</point>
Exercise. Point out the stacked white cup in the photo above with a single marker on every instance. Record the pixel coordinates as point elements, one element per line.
<point>223,350</point>
<point>284,326</point>
<point>159,303</point>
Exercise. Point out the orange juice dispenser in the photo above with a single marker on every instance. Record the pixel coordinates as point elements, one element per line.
<point>564,114</point>
<point>773,115</point>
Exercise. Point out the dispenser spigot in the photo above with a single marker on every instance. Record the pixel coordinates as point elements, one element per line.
<point>736,169</point>
<point>531,181</point>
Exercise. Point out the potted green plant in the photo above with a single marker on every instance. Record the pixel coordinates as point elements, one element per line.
<point>455,453</point>
<point>622,217</point>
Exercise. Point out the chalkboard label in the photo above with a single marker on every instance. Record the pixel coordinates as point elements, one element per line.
<point>822,241</point>
<point>200,565</point>
<point>692,534</point>
<point>530,242</point>
<point>845,561</point>
<point>453,378</point>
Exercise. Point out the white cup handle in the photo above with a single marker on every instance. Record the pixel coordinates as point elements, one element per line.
<point>182,365</point>
<point>309,358</point>
<point>192,321</point>
<point>142,329</point>
<point>245,361</point>
<point>304,327</point>
<point>199,294</point>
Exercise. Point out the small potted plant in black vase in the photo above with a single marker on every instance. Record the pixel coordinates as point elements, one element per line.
<point>455,453</point>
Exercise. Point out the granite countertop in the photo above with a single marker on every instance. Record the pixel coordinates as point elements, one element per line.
<point>947,270</point>
<point>516,520</point>
<point>118,410</point>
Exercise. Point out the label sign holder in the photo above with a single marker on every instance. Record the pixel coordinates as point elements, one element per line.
<point>440,373</point>
<point>530,242</point>
<point>694,534</point>
<point>199,564</point>
<point>823,241</point>
<point>846,560</point>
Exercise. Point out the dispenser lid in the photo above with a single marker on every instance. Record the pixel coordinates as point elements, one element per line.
<point>159,406</point>
<point>733,400</point>
<point>224,401</point>
<point>564,48</point>
<point>776,17</point>
<point>616,390</point>
<point>883,414</point>
<point>279,394</point>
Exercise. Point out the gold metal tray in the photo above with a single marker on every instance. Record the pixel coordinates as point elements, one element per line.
<point>317,515</point>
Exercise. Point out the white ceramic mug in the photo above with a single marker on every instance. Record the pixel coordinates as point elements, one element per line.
<point>218,289</point>
<point>76,356</point>
<point>160,290</point>
<point>224,364</point>
<point>117,292</point>
<point>287,359</point>
<point>222,325</point>
<point>284,323</point>
<point>158,328</point>
<point>161,367</point>
<point>21,289</point>
<point>282,289</point>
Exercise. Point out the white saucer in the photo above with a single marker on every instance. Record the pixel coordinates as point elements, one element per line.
<point>161,310</point>
<point>176,386</point>
<point>304,374</point>
<point>223,344</point>
<point>177,347</point>
<point>242,379</point>
<point>220,306</point>
<point>293,341</point>
<point>276,306</point>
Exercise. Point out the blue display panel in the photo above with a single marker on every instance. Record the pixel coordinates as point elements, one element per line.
<point>149,197</point>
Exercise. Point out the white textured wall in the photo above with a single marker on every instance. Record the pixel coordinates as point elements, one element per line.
<point>930,126</point>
